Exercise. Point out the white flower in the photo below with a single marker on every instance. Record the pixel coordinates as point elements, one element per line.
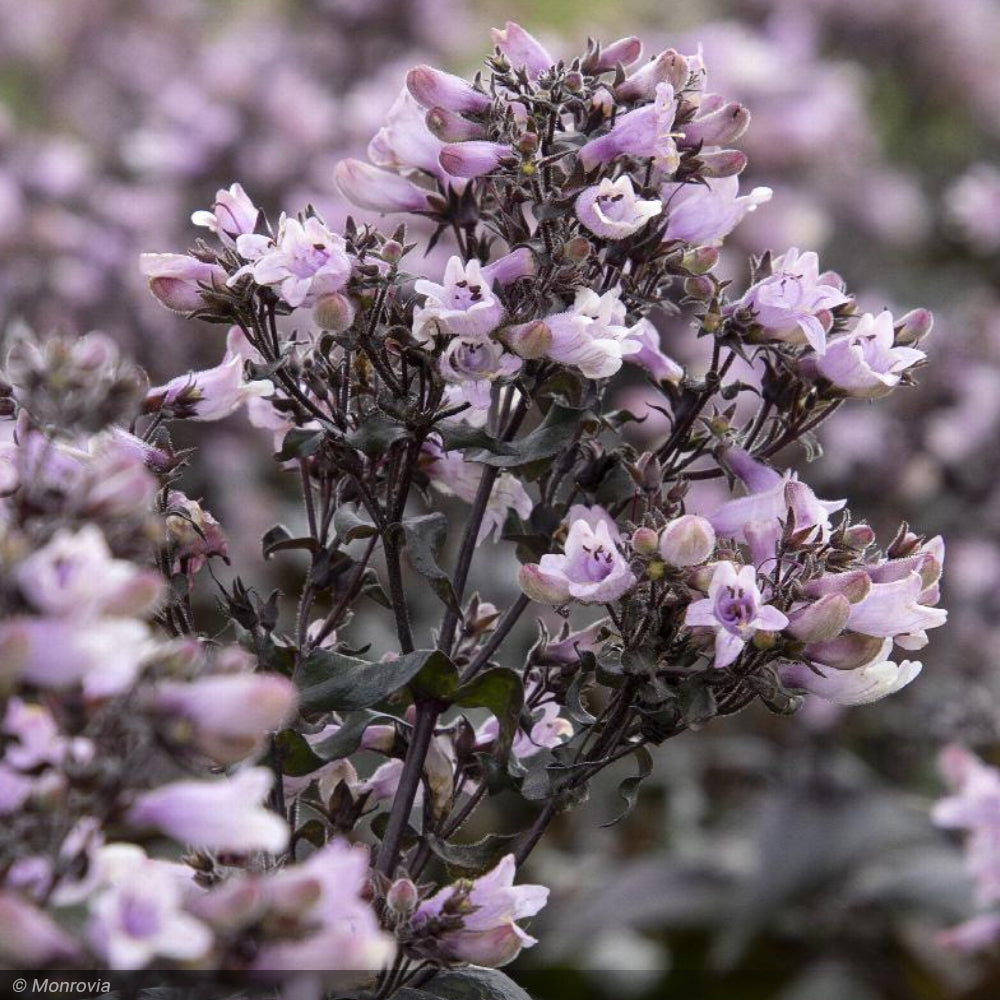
<point>612,209</point>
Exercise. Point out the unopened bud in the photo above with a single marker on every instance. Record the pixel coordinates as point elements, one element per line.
<point>764,640</point>
<point>701,287</point>
<point>722,163</point>
<point>541,586</point>
<point>700,260</point>
<point>334,312</point>
<point>528,340</point>
<point>655,569</point>
<point>527,143</point>
<point>822,620</point>
<point>449,126</point>
<point>859,536</point>
<point>914,326</point>
<point>645,541</point>
<point>577,250</point>
<point>688,540</point>
<point>392,251</point>
<point>574,81</point>
<point>402,897</point>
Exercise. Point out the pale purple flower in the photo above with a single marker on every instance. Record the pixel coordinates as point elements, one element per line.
<point>893,609</point>
<point>463,305</point>
<point>210,394</point>
<point>668,67</point>
<point>103,654</point>
<point>37,740</point>
<point>227,814</point>
<point>646,132</point>
<point>688,540</point>
<point>625,50</point>
<point>177,280</point>
<point>473,158</point>
<point>29,939</point>
<point>548,729</point>
<point>489,908</point>
<point>736,610</point>
<point>139,914</point>
<point>404,141</point>
<point>195,534</point>
<point>592,336</point>
<point>591,569</point>
<point>758,517</point>
<point>230,715</point>
<point>973,806</point>
<point>859,686</point>
<point>232,215</point>
<point>304,262</point>
<point>433,88</point>
<point>341,929</point>
<point>368,186</point>
<point>612,209</point>
<point>522,49</point>
<point>650,355</point>
<point>75,575</point>
<point>450,473</point>
<point>716,125</point>
<point>473,365</point>
<point>864,363</point>
<point>788,304</point>
<point>704,214</point>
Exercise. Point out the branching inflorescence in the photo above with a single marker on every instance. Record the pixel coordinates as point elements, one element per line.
<point>586,202</point>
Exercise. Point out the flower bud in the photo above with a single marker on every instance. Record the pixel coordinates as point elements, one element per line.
<point>574,81</point>
<point>527,143</point>
<point>370,187</point>
<point>541,586</point>
<point>449,126</point>
<point>577,250</point>
<point>699,287</point>
<point>522,49</point>
<point>625,51</point>
<point>722,163</point>
<point>719,128</point>
<point>645,541</point>
<point>528,340</point>
<point>914,326</point>
<point>700,260</point>
<point>859,536</point>
<point>433,88</point>
<point>473,159</point>
<point>334,312</point>
<point>402,897</point>
<point>177,279</point>
<point>822,620</point>
<point>688,540</point>
<point>392,251</point>
<point>668,67</point>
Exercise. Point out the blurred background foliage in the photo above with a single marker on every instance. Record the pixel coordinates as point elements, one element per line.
<point>767,859</point>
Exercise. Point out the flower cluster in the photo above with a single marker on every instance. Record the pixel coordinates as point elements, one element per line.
<point>585,201</point>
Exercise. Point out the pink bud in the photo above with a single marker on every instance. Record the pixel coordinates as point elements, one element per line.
<point>845,652</point>
<point>177,279</point>
<point>402,897</point>
<point>625,51</point>
<point>688,540</point>
<point>668,67</point>
<point>701,260</point>
<point>379,190</point>
<point>855,585</point>
<point>914,326</point>
<point>722,163</point>
<point>522,49</point>
<point>473,159</point>
<point>859,536</point>
<point>528,340</point>
<point>334,312</point>
<point>541,586</point>
<point>519,263</point>
<point>435,89</point>
<point>451,127</point>
<point>822,620</point>
<point>645,541</point>
<point>720,127</point>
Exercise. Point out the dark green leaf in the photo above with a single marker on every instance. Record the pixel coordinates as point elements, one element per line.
<point>500,690</point>
<point>472,984</point>
<point>347,739</point>
<point>628,790</point>
<point>279,539</point>
<point>424,537</point>
<point>375,433</point>
<point>332,682</point>
<point>295,756</point>
<point>349,525</point>
<point>299,443</point>
<point>552,436</point>
<point>478,857</point>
